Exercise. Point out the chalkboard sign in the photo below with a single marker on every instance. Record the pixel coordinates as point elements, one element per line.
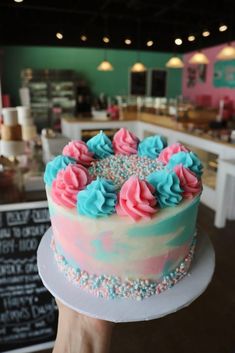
<point>28,314</point>
<point>138,83</point>
<point>158,83</point>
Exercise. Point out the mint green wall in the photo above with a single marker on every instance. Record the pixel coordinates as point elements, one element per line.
<point>84,61</point>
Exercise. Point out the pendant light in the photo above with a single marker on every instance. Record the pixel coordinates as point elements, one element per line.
<point>105,65</point>
<point>138,66</point>
<point>227,53</point>
<point>175,63</point>
<point>199,58</point>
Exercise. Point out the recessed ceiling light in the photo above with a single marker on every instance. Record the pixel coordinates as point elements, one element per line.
<point>128,41</point>
<point>59,35</point>
<point>83,38</point>
<point>18,0</point>
<point>191,38</point>
<point>178,41</point>
<point>223,28</point>
<point>205,33</point>
<point>106,39</point>
<point>149,43</point>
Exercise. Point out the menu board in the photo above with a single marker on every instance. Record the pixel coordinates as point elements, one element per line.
<point>158,83</point>
<point>28,314</point>
<point>138,83</point>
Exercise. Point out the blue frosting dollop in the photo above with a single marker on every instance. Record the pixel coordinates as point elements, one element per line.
<point>167,186</point>
<point>189,160</point>
<point>98,199</point>
<point>100,145</point>
<point>54,166</point>
<point>152,146</point>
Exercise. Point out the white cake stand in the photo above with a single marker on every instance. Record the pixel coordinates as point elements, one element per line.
<point>127,310</point>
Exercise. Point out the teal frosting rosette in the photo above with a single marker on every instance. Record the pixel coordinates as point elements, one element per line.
<point>100,145</point>
<point>167,186</point>
<point>54,166</point>
<point>152,146</point>
<point>189,160</point>
<point>98,199</point>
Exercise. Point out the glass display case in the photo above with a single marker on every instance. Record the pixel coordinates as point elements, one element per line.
<point>49,90</point>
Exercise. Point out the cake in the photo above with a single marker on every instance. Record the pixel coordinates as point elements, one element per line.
<point>11,143</point>
<point>123,213</point>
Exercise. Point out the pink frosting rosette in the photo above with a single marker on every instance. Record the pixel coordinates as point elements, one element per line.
<point>125,142</point>
<point>166,154</point>
<point>188,181</point>
<point>79,151</point>
<point>136,199</point>
<point>68,183</point>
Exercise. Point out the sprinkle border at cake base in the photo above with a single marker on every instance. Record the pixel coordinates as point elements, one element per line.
<point>112,287</point>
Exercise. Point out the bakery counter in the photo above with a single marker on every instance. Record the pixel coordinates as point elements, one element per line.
<point>77,128</point>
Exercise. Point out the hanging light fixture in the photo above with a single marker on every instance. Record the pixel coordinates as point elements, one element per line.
<point>138,66</point>
<point>175,63</point>
<point>227,53</point>
<point>199,58</point>
<point>105,65</point>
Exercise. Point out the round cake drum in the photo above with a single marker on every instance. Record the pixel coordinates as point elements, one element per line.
<point>127,310</point>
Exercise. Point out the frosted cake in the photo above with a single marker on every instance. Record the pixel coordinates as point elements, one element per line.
<point>124,213</point>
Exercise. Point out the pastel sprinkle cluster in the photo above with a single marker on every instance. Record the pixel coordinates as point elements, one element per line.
<point>123,175</point>
<point>112,287</point>
<point>120,167</point>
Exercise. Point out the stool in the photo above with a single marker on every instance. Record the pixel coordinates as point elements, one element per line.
<point>225,168</point>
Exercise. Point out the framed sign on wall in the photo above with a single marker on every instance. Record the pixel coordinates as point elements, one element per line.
<point>158,83</point>
<point>138,83</point>
<point>152,82</point>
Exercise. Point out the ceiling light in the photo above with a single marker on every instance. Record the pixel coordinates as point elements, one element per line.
<point>138,67</point>
<point>199,58</point>
<point>106,39</point>
<point>128,41</point>
<point>59,35</point>
<point>83,38</point>
<point>175,63</point>
<point>191,38</point>
<point>149,43</point>
<point>178,41</point>
<point>223,28</point>
<point>227,53</point>
<point>205,33</point>
<point>18,0</point>
<point>105,65</point>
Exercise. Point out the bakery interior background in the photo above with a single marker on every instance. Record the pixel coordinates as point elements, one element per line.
<point>70,68</point>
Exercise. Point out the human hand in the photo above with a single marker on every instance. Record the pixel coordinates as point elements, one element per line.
<point>79,333</point>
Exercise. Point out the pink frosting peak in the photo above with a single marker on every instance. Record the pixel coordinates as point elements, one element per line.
<point>68,183</point>
<point>79,151</point>
<point>136,199</point>
<point>188,181</point>
<point>166,154</point>
<point>125,142</point>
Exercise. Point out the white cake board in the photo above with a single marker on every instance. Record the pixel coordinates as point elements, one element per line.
<point>127,310</point>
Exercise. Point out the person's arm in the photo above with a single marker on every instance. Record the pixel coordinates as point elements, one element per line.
<point>78,333</point>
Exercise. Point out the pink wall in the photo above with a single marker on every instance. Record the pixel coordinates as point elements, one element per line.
<point>206,87</point>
